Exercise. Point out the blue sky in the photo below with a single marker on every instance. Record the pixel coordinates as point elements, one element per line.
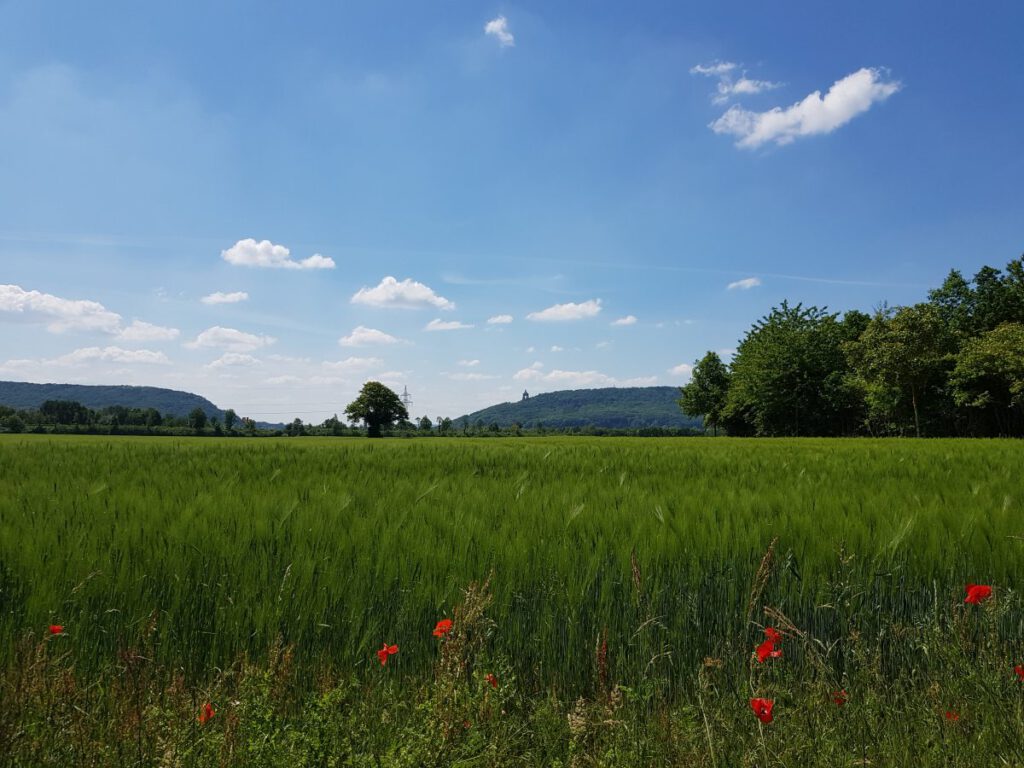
<point>580,163</point>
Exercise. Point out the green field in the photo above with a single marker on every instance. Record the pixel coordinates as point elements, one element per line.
<point>213,560</point>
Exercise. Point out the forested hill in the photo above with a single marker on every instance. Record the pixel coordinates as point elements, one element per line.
<point>610,408</point>
<point>169,402</point>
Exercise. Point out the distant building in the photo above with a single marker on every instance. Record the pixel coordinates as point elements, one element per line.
<point>526,395</point>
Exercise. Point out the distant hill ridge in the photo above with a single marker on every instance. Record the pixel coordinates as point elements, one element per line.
<point>610,408</point>
<point>21,396</point>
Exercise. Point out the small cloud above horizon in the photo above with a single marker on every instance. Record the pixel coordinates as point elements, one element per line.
<point>405,294</point>
<point>498,29</point>
<point>567,311</point>
<point>265,254</point>
<point>744,285</point>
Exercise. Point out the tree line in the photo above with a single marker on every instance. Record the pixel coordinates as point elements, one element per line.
<point>949,366</point>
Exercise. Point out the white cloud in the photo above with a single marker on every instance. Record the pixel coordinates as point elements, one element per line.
<point>603,344</point>
<point>230,339</point>
<point>407,294</point>
<point>94,355</point>
<point>140,331</point>
<point>499,320</point>
<point>714,69</point>
<point>249,253</point>
<point>59,314</point>
<point>556,348</point>
<point>683,370</point>
<point>847,98</point>
<point>354,364</point>
<point>743,87</point>
<point>744,285</point>
<point>225,298</point>
<point>469,363</point>
<point>498,28</point>
<point>233,359</point>
<point>627,320</point>
<point>580,379</point>
<point>362,336</point>
<point>569,311</point>
<point>445,325</point>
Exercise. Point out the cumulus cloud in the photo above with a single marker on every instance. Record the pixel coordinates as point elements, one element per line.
<point>140,331</point>
<point>744,285</point>
<point>225,298</point>
<point>445,325</point>
<point>499,320</point>
<point>627,320</point>
<point>581,379</point>
<point>230,339</point>
<point>683,371</point>
<point>362,336</point>
<point>265,254</point>
<point>814,115</point>
<point>569,311</point>
<point>234,359</point>
<point>407,294</point>
<point>469,363</point>
<point>354,364</point>
<point>95,355</point>
<point>743,87</point>
<point>498,28</point>
<point>59,314</point>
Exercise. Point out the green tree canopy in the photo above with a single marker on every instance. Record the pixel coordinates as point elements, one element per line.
<point>989,376</point>
<point>707,391</point>
<point>377,407</point>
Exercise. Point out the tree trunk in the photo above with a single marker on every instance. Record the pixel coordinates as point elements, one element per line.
<point>913,401</point>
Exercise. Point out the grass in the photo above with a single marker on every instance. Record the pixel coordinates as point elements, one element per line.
<point>268,572</point>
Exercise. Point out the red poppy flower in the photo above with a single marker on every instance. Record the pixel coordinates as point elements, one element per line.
<point>1019,671</point>
<point>206,713</point>
<point>839,697</point>
<point>952,716</point>
<point>494,681</point>
<point>977,592</point>
<point>767,650</point>
<point>56,629</point>
<point>444,626</point>
<point>762,709</point>
<point>387,650</point>
<point>772,634</point>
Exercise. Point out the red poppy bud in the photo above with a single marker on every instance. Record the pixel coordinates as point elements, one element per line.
<point>1019,671</point>
<point>206,713</point>
<point>56,629</point>
<point>492,680</point>
<point>839,697</point>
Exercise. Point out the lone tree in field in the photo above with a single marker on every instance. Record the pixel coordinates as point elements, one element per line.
<point>377,406</point>
<point>707,391</point>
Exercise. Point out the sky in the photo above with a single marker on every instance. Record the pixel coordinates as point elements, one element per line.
<point>269,204</point>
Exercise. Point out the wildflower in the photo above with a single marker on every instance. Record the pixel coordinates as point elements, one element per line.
<point>762,709</point>
<point>56,629</point>
<point>387,650</point>
<point>444,626</point>
<point>1019,671</point>
<point>839,697</point>
<point>977,592</point>
<point>494,681</point>
<point>952,716</point>
<point>767,649</point>
<point>206,713</point>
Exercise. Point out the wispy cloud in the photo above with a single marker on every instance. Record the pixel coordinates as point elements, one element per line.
<point>140,331</point>
<point>627,320</point>
<point>744,285</point>
<point>498,28</point>
<point>581,379</point>
<point>814,115</point>
<point>405,294</point>
<point>499,320</point>
<point>728,85</point>
<point>714,69</point>
<point>446,325</point>
<point>267,255</point>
